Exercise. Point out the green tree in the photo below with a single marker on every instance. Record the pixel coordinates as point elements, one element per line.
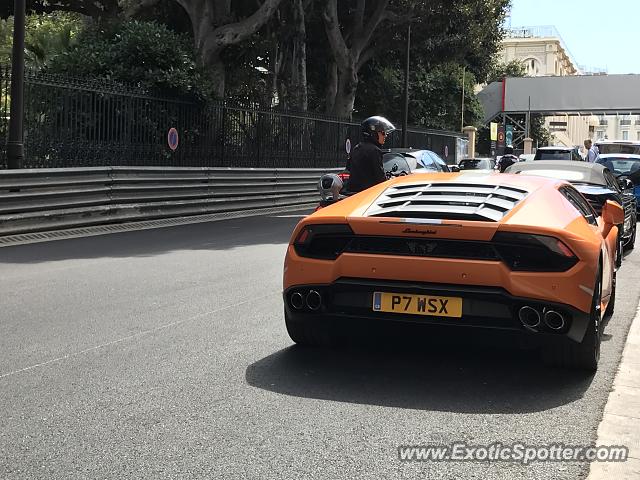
<point>49,35</point>
<point>46,35</point>
<point>435,96</point>
<point>6,32</point>
<point>145,54</point>
<point>446,37</point>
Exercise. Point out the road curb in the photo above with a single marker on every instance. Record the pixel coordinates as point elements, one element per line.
<point>620,423</point>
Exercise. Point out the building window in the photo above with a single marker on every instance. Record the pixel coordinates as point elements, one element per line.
<point>638,134</point>
<point>625,134</point>
<point>532,66</point>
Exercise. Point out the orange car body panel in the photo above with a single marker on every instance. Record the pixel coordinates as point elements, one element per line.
<point>544,211</point>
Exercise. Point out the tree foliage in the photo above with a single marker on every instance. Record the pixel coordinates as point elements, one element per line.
<point>146,54</point>
<point>435,99</point>
<point>46,36</point>
<point>341,57</point>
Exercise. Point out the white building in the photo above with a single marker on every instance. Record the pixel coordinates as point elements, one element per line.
<point>544,53</point>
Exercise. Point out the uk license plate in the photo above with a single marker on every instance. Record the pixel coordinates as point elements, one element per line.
<point>429,305</point>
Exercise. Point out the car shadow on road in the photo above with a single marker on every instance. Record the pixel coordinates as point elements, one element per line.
<point>434,372</point>
<point>218,235</point>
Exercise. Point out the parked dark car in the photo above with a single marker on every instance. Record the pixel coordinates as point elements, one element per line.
<point>558,153</point>
<point>477,164</point>
<point>596,182</point>
<point>624,166</point>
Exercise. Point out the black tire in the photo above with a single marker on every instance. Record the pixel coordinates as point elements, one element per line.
<point>309,332</point>
<point>632,241</point>
<point>585,355</point>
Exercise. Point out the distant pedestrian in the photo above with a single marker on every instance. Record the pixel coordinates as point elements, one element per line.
<point>593,155</point>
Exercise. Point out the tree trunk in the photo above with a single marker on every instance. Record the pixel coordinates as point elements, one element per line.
<point>213,32</point>
<point>218,73</point>
<point>299,57</point>
<point>349,47</point>
<point>332,87</point>
<point>346,93</point>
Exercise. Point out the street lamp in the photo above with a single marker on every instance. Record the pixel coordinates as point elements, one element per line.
<point>15,146</point>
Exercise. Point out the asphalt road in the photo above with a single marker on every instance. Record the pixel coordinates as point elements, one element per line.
<point>163,354</point>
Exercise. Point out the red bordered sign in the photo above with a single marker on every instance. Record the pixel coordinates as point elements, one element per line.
<point>173,139</point>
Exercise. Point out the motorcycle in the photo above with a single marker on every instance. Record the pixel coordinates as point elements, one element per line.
<point>332,186</point>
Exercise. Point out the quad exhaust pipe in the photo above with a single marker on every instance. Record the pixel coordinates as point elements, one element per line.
<point>554,320</point>
<point>297,300</point>
<point>529,316</point>
<point>312,300</point>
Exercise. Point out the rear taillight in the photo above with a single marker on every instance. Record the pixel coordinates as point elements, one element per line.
<point>344,176</point>
<point>533,253</point>
<point>323,241</point>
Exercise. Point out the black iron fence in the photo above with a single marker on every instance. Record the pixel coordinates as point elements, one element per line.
<point>73,122</point>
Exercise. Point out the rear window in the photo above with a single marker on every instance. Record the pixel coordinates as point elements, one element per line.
<point>618,148</point>
<point>618,165</point>
<point>474,164</point>
<point>552,155</point>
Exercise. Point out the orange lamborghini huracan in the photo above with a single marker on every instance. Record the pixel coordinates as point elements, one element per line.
<point>512,252</point>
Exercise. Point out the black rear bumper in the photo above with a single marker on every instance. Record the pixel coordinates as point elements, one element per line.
<point>483,307</point>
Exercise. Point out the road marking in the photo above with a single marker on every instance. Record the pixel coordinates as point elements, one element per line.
<point>129,337</point>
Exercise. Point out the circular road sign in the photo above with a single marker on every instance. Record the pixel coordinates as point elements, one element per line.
<point>173,138</point>
<point>347,146</point>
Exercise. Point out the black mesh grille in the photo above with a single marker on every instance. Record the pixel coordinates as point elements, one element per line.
<point>419,247</point>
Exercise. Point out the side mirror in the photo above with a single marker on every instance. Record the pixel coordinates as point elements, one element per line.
<point>612,213</point>
<point>454,168</point>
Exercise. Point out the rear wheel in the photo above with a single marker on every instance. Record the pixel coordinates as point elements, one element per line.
<point>584,355</point>
<point>309,332</point>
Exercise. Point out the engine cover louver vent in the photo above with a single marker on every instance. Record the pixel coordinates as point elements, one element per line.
<point>454,201</point>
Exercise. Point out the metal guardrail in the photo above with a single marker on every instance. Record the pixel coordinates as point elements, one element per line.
<point>46,199</point>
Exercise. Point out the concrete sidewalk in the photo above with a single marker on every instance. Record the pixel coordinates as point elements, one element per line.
<point>621,420</point>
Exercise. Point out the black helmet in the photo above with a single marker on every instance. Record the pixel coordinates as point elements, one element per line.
<point>376,124</point>
<point>508,150</point>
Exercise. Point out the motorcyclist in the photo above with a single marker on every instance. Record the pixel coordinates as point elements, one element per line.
<point>507,159</point>
<point>365,165</point>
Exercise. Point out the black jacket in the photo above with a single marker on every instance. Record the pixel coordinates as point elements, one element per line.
<point>506,161</point>
<point>365,167</point>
